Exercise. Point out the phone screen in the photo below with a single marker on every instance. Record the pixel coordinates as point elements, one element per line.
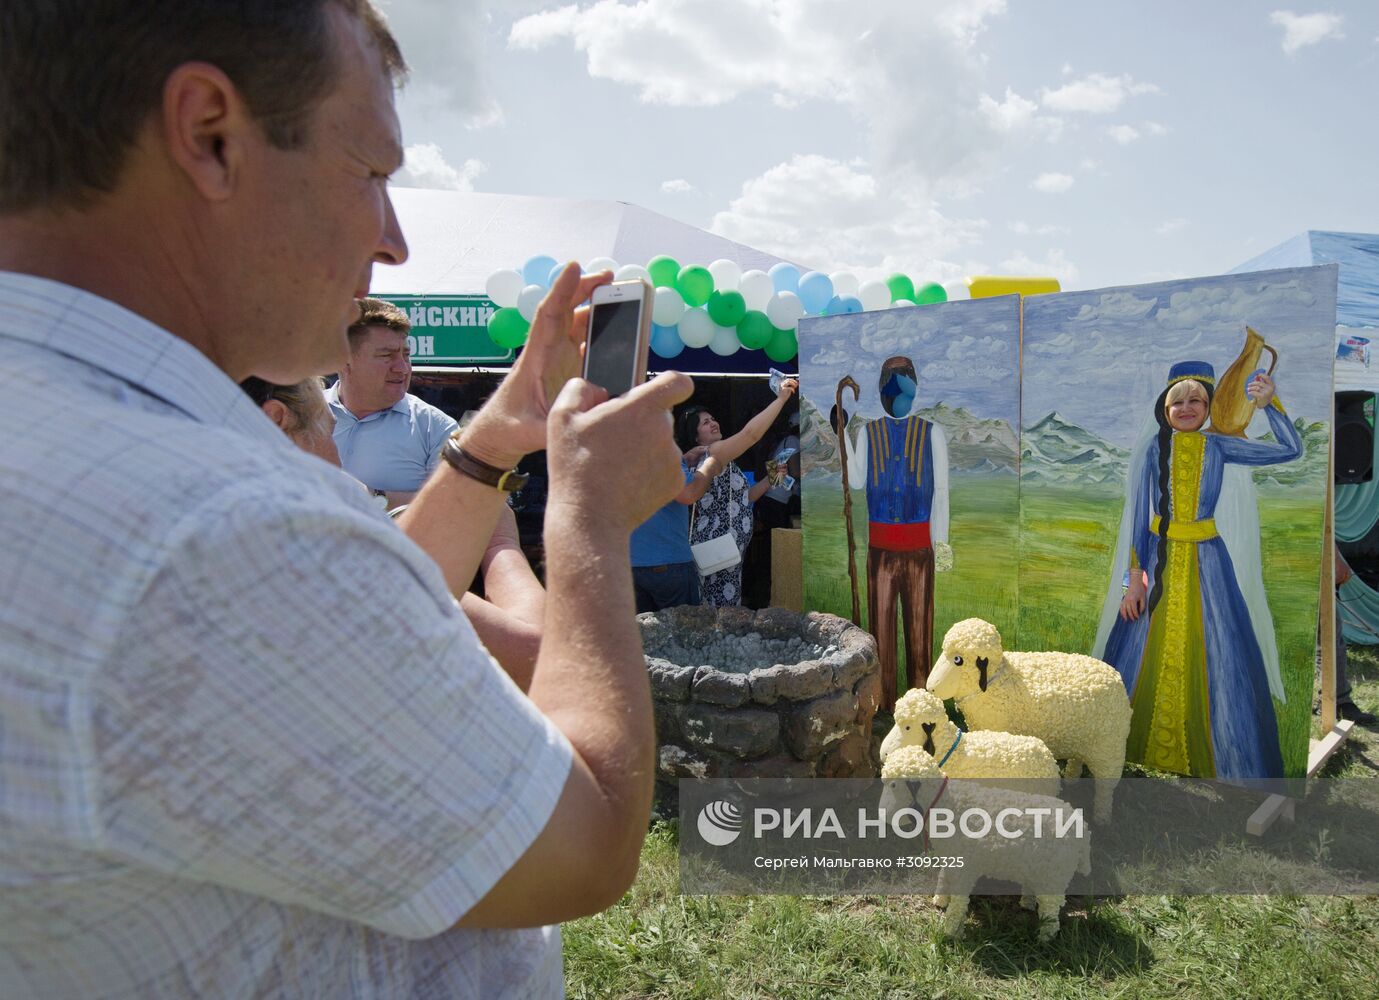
<point>612,351</point>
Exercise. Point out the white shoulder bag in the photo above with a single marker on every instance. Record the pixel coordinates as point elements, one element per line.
<point>714,554</point>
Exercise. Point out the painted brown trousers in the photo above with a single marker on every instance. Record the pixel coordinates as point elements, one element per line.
<point>907,579</point>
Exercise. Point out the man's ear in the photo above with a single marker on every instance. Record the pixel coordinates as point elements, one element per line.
<point>207,128</point>
<point>279,413</point>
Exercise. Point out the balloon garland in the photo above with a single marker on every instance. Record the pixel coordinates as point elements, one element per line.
<point>719,305</point>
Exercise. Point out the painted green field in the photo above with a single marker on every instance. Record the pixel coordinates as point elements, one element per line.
<point>982,532</point>
<point>1059,542</point>
<point>1065,558</point>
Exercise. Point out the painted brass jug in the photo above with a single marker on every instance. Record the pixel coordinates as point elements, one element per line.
<point>1231,409</point>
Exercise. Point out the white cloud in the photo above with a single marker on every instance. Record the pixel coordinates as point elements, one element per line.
<point>1088,164</point>
<point>1302,30</point>
<point>1053,265</point>
<point>1052,183</point>
<point>1123,134</point>
<point>1096,94</point>
<point>678,186</point>
<point>1170,226</point>
<point>832,357</point>
<point>443,41</point>
<point>834,215</point>
<point>1154,128</point>
<point>1021,228</point>
<point>424,166</point>
<point>904,86</point>
<point>1016,114</point>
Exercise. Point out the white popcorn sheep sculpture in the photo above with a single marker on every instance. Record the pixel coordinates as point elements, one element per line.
<point>921,721</point>
<point>1076,704</point>
<point>1032,856</point>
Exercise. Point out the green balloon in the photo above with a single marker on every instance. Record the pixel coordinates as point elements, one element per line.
<point>755,330</point>
<point>782,346</point>
<point>727,308</point>
<point>507,328</point>
<point>929,292</point>
<point>695,285</point>
<point>901,287</point>
<point>663,271</point>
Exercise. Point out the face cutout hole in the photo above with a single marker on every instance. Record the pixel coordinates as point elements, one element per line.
<point>928,728</point>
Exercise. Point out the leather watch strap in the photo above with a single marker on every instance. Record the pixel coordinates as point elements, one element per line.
<point>507,480</point>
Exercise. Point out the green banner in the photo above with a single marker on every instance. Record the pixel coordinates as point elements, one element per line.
<point>450,329</point>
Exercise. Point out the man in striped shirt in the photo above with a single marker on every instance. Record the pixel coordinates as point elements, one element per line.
<point>249,744</point>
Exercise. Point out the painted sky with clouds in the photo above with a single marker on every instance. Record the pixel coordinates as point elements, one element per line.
<point>965,353</point>
<point>1105,142</point>
<point>1100,358</point>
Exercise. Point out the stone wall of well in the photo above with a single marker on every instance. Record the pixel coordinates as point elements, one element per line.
<point>807,719</point>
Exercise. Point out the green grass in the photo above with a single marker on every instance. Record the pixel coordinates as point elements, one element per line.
<point>656,943</point>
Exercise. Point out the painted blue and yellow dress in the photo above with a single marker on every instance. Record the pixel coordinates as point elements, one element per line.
<point>1193,666</point>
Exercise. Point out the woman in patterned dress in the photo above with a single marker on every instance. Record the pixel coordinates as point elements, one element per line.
<point>727,505</point>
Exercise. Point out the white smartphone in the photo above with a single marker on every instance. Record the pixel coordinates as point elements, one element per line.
<point>619,338</point>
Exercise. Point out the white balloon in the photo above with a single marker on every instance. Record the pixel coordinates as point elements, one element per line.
<point>503,287</point>
<point>902,304</point>
<point>785,310</point>
<point>957,289</point>
<point>724,340</point>
<point>631,272</point>
<point>875,294</point>
<point>726,275</point>
<point>696,329</point>
<point>844,282</point>
<point>601,264</point>
<point>668,307</point>
<point>756,288</point>
<point>528,301</point>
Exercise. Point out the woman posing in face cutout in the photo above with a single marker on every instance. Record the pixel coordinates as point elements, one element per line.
<point>1183,640</point>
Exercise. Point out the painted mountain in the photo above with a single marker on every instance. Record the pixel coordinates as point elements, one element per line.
<point>976,447</point>
<point>1060,452</point>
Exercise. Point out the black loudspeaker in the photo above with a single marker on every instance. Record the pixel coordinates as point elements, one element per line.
<point>1354,437</point>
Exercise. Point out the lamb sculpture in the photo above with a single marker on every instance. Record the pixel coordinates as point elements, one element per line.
<point>1076,704</point>
<point>921,721</point>
<point>1025,853</point>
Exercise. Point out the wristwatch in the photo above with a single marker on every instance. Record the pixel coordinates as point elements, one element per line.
<point>507,480</point>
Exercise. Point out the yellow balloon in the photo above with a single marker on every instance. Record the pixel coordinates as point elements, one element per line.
<point>984,286</point>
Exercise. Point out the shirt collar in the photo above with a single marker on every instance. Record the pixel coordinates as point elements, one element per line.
<point>108,337</point>
<point>403,405</point>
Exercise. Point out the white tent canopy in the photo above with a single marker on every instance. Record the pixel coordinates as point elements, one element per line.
<point>457,239</point>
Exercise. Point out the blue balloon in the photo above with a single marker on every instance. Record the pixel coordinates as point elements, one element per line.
<point>665,340</point>
<point>901,404</point>
<point>555,273</point>
<point>786,277</point>
<point>850,303</point>
<point>816,289</point>
<point>537,270</point>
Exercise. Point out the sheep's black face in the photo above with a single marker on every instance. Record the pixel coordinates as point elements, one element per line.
<point>928,728</point>
<point>982,663</point>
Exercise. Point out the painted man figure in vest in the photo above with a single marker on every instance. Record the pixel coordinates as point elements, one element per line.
<point>903,461</point>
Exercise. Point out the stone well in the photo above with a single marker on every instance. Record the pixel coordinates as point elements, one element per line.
<point>761,694</point>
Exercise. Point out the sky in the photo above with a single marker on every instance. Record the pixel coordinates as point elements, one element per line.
<point>1130,337</point>
<point>1103,142</point>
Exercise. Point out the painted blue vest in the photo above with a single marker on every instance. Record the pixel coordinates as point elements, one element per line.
<point>900,470</point>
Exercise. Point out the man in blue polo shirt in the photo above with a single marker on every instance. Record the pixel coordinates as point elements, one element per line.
<point>388,439</point>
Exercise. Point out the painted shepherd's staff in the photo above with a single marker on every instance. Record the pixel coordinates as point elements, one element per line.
<point>840,426</point>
